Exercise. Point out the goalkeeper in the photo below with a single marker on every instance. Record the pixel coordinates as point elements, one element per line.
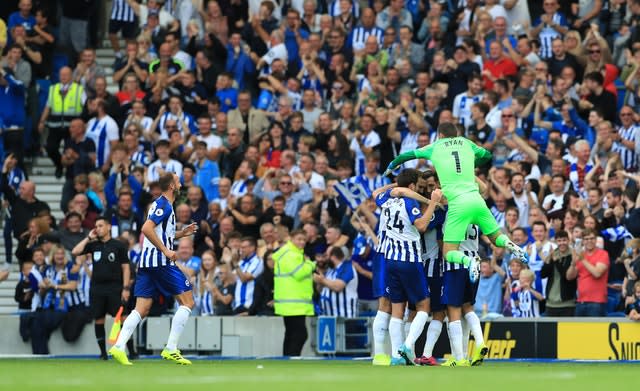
<point>455,159</point>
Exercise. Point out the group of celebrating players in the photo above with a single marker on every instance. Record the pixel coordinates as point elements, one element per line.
<point>412,266</point>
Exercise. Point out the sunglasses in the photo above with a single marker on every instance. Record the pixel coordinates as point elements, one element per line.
<point>286,183</point>
<point>594,51</point>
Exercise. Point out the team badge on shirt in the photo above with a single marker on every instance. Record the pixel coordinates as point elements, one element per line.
<point>97,255</point>
<point>159,212</point>
<point>415,211</point>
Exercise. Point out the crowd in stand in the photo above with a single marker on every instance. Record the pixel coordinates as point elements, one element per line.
<point>262,106</point>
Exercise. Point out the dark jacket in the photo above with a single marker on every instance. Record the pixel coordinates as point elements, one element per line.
<point>21,210</point>
<point>567,287</point>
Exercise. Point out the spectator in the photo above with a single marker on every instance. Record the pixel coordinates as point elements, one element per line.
<point>246,217</point>
<point>250,121</point>
<point>339,286</point>
<point>12,100</point>
<point>247,270</point>
<point>163,163</point>
<point>64,103</point>
<point>527,299</point>
<point>263,291</point>
<point>293,200</point>
<point>87,71</point>
<point>550,25</point>
<point>223,290</point>
<point>72,232</point>
<point>24,204</point>
<point>633,310</point>
<point>188,263</point>
<point>32,238</point>
<point>122,216</point>
<point>590,266</point>
<point>560,290</point>
<point>489,296</point>
<point>233,153</point>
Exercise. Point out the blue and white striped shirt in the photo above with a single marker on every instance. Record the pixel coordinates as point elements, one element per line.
<point>102,131</point>
<point>121,11</point>
<point>628,157</point>
<point>62,300</point>
<point>548,34</point>
<point>244,290</point>
<point>344,303</point>
<point>161,213</point>
<point>469,246</point>
<point>402,239</point>
<point>462,108</point>
<point>431,255</point>
<point>360,34</point>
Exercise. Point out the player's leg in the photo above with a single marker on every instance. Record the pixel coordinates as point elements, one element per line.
<point>437,319</point>
<point>480,350</point>
<point>145,290</point>
<point>453,297</point>
<point>488,225</point>
<point>398,299</point>
<point>173,282</point>
<point>415,286</point>
<point>411,314</point>
<point>381,349</point>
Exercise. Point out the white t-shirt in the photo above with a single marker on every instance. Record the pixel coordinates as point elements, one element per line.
<point>462,107</point>
<point>557,200</point>
<point>522,202</point>
<point>184,58</point>
<point>164,18</point>
<point>277,52</point>
<point>317,181</point>
<point>102,132</point>
<point>153,173</point>
<point>212,141</point>
<point>518,15</point>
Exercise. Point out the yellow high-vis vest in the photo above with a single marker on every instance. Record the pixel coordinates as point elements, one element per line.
<point>64,108</point>
<point>293,285</point>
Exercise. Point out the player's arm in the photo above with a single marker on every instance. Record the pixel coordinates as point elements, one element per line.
<point>408,193</point>
<point>482,156</point>
<point>422,223</point>
<point>186,231</point>
<point>422,153</point>
<point>382,189</point>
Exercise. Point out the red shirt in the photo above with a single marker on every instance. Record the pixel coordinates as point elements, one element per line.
<point>591,289</point>
<point>125,98</point>
<point>499,68</point>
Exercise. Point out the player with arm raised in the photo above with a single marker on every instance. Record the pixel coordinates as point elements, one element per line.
<point>158,274</point>
<point>455,159</point>
<point>402,251</point>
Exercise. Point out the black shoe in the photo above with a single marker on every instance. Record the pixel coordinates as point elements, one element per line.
<point>104,357</point>
<point>58,172</point>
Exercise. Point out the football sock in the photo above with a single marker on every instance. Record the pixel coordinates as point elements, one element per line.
<point>395,332</point>
<point>502,240</point>
<point>128,327</point>
<point>100,338</point>
<point>380,332</point>
<point>433,333</point>
<point>406,326</point>
<point>456,256</point>
<point>474,325</point>
<point>455,336</point>
<point>465,338</point>
<point>177,326</point>
<point>416,328</point>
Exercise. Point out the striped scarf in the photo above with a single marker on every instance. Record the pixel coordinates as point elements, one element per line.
<point>574,177</point>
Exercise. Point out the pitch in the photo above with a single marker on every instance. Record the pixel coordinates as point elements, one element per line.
<point>259,375</point>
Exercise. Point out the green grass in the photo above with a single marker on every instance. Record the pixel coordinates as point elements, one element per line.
<point>92,375</point>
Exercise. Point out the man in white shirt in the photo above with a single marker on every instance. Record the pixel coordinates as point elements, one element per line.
<point>276,51</point>
<point>103,131</point>
<point>555,201</point>
<point>306,162</point>
<point>214,142</point>
<point>142,11</point>
<point>364,142</point>
<point>164,163</point>
<point>173,39</point>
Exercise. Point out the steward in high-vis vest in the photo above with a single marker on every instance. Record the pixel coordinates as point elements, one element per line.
<point>65,102</point>
<point>293,291</point>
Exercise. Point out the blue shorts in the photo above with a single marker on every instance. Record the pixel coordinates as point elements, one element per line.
<point>164,280</point>
<point>406,282</point>
<point>435,291</point>
<point>379,276</point>
<point>458,289</point>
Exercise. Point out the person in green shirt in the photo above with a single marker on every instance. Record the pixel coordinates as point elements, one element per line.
<point>455,159</point>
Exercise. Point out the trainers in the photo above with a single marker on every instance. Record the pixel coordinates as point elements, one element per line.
<point>381,360</point>
<point>119,355</point>
<point>407,353</point>
<point>478,355</point>
<point>397,361</point>
<point>474,269</point>
<point>452,362</point>
<point>518,252</point>
<point>174,356</point>
<point>426,361</point>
